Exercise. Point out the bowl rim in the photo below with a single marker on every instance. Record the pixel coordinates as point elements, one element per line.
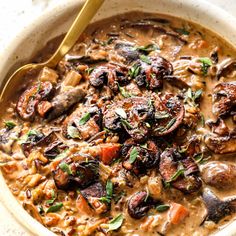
<point>29,224</point>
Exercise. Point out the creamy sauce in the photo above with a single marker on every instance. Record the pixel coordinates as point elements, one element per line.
<point>103,72</point>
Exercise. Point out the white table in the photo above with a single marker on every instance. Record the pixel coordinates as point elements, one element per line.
<point>15,15</point>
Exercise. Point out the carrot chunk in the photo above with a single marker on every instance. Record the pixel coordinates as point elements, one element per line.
<point>177,213</point>
<point>109,151</point>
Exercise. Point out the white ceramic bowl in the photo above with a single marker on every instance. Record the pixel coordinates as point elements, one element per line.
<point>57,20</point>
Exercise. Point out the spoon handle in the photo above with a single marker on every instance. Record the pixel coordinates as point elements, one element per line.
<point>80,23</point>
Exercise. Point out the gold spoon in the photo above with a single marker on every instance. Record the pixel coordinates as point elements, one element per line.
<point>81,22</point>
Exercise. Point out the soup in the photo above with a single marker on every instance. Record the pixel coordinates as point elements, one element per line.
<point>133,133</point>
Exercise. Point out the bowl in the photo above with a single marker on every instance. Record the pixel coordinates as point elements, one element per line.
<point>56,21</point>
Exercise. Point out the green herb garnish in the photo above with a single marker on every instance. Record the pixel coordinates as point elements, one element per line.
<point>162,208</point>
<point>55,207</point>
<point>206,63</point>
<point>176,175</point>
<point>133,155</point>
<point>115,223</point>
<point>134,71</point>
<point>53,198</point>
<point>126,124</point>
<point>84,119</point>
<point>65,168</point>
<point>145,59</point>
<point>192,96</point>
<point>123,92</point>
<point>9,124</point>
<point>89,70</point>
<point>148,48</point>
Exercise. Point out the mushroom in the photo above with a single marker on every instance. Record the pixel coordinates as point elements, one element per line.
<point>218,127</point>
<point>221,175</point>
<point>29,100</point>
<point>146,158</point>
<point>217,209</point>
<point>152,72</point>
<point>83,123</point>
<point>226,67</point>
<point>169,167</point>
<point>127,51</point>
<point>131,114</point>
<point>64,101</point>
<point>224,98</point>
<point>139,204</point>
<point>221,144</point>
<point>169,114</point>
<point>108,75</point>
<point>71,174</point>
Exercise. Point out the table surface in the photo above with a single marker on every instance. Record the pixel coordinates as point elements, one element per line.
<point>15,15</point>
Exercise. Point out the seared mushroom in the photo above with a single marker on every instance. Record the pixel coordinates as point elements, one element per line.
<point>29,100</point>
<point>108,75</point>
<point>83,123</point>
<point>226,67</point>
<point>224,98</point>
<point>216,208</point>
<point>170,171</point>
<point>71,174</point>
<point>221,144</point>
<point>32,210</point>
<point>64,101</point>
<point>132,114</point>
<point>168,116</point>
<point>7,138</point>
<point>146,158</point>
<point>218,127</point>
<point>139,204</point>
<point>127,51</point>
<point>152,72</point>
<point>221,175</point>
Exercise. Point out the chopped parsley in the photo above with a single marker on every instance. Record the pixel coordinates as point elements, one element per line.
<point>206,63</point>
<point>115,223</point>
<point>145,59</point>
<point>84,119</point>
<point>65,168</point>
<point>176,175</point>
<point>109,192</point>
<point>9,124</point>
<point>133,155</point>
<point>134,70</point>
<point>123,92</point>
<point>55,207</point>
<point>162,208</point>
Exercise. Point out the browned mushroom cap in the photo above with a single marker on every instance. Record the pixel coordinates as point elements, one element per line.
<point>71,174</point>
<point>132,114</point>
<point>216,208</point>
<point>218,127</point>
<point>139,204</point>
<point>169,113</point>
<point>221,175</point>
<point>83,123</point>
<point>221,144</point>
<point>169,167</point>
<point>224,98</point>
<point>226,67</point>
<point>28,101</point>
<point>147,157</point>
<point>64,101</point>
<point>152,72</point>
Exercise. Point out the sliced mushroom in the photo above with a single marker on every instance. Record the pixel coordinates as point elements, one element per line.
<point>170,162</point>
<point>81,174</point>
<point>146,158</point>
<point>139,204</point>
<point>132,114</point>
<point>217,209</point>
<point>169,114</point>
<point>221,175</point>
<point>64,101</point>
<point>221,144</point>
<point>152,72</point>
<point>8,138</point>
<point>83,130</point>
<point>29,100</point>
<point>218,127</point>
<point>226,67</point>
<point>127,51</point>
<point>224,98</point>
